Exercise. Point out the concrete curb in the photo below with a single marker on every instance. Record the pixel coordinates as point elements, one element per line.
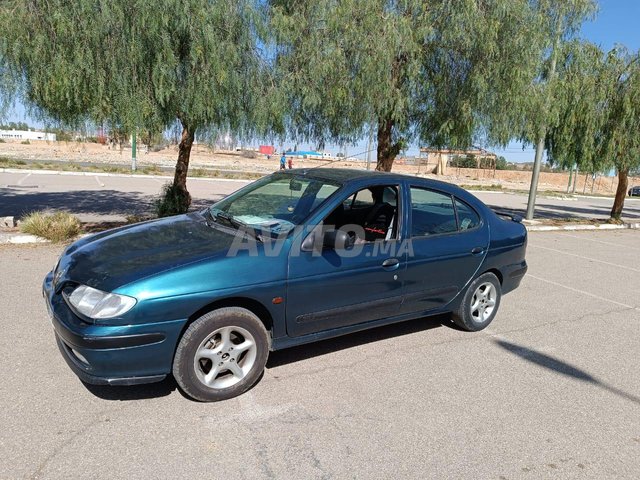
<point>20,238</point>
<point>603,226</point>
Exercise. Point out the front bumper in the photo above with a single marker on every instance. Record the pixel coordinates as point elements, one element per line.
<point>111,355</point>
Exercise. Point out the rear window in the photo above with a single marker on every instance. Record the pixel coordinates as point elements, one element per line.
<point>431,212</point>
<point>467,216</point>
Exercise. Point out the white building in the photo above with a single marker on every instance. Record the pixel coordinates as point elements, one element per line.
<point>27,135</point>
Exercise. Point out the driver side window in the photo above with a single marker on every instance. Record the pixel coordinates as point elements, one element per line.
<point>369,214</point>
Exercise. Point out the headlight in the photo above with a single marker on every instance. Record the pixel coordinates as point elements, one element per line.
<point>97,304</point>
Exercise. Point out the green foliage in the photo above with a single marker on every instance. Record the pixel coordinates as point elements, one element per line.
<point>166,59</point>
<point>501,163</point>
<point>61,135</point>
<point>558,21</point>
<point>56,227</point>
<point>14,126</point>
<point>463,161</point>
<point>599,124</point>
<point>25,142</point>
<point>132,64</point>
<point>435,71</point>
<point>172,201</point>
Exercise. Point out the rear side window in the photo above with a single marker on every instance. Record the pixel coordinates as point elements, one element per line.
<point>431,212</point>
<point>467,216</point>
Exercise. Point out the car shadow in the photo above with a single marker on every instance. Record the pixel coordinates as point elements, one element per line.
<point>315,349</point>
<point>280,357</point>
<point>133,392</point>
<point>563,368</point>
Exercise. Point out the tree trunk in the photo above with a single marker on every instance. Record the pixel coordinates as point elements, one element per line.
<point>621,193</point>
<point>182,166</point>
<point>387,150</point>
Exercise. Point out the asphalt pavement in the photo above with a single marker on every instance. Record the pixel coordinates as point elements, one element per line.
<point>99,197</point>
<point>551,390</point>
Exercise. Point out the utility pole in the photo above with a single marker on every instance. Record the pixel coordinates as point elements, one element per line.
<point>369,146</point>
<point>531,203</point>
<point>133,151</point>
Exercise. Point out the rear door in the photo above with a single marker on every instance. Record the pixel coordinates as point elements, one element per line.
<point>449,242</point>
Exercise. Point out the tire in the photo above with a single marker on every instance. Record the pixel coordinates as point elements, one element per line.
<point>221,355</point>
<point>476,311</point>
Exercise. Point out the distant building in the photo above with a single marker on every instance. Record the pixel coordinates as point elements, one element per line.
<point>27,135</point>
<point>438,159</point>
<point>309,154</point>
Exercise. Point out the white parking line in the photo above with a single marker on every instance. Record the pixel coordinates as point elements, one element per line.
<point>586,258</point>
<point>613,244</point>
<point>608,300</point>
<point>23,178</point>
<point>99,182</point>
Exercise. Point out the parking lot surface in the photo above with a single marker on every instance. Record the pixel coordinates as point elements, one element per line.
<point>111,197</point>
<point>550,390</point>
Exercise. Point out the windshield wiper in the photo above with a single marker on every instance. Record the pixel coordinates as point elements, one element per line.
<point>237,224</point>
<point>206,213</point>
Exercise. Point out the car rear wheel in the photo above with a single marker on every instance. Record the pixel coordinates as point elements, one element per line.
<point>479,304</point>
<point>221,355</point>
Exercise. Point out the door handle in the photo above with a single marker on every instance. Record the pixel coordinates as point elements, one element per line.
<point>477,250</point>
<point>391,264</point>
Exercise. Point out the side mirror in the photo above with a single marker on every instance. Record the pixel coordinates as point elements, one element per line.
<point>337,240</point>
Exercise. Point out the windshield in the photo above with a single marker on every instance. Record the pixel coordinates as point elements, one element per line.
<point>274,204</point>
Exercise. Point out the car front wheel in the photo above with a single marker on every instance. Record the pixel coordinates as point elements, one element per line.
<point>479,304</point>
<point>221,355</point>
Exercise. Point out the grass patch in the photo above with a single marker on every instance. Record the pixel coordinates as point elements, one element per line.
<point>152,170</point>
<point>8,162</point>
<point>488,188</point>
<point>57,227</point>
<point>136,218</point>
<point>25,142</point>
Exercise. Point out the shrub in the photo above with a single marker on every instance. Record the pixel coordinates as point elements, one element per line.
<point>172,201</point>
<point>2,140</point>
<point>25,142</point>
<point>56,227</point>
<point>248,154</point>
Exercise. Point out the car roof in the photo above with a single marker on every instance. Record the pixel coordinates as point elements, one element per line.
<point>346,176</point>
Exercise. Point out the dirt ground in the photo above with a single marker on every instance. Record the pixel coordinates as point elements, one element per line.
<point>203,156</point>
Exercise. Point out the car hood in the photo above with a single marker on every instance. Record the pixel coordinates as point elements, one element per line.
<point>117,257</point>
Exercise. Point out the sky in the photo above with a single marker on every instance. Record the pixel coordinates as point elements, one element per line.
<point>617,22</point>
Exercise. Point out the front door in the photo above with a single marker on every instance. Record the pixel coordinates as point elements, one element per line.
<point>331,288</point>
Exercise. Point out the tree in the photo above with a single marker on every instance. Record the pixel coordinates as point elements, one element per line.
<point>559,20</point>
<point>15,126</point>
<point>575,137</point>
<point>501,163</point>
<point>620,133</point>
<point>435,71</point>
<point>599,123</point>
<point>132,64</point>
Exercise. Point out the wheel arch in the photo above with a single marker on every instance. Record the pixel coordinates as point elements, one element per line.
<point>496,272</point>
<point>254,306</point>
